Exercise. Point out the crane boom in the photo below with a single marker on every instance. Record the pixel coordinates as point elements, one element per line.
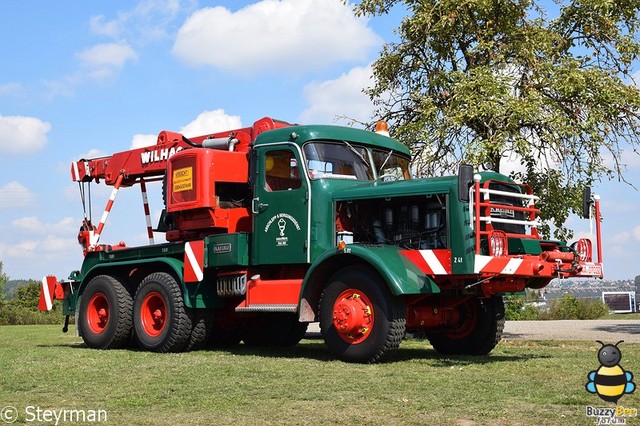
<point>151,161</point>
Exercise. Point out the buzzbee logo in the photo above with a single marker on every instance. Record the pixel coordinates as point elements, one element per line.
<point>610,381</point>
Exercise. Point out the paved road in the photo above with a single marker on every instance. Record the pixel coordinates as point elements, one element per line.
<point>608,331</point>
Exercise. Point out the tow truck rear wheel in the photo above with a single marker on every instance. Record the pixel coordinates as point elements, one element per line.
<point>202,320</point>
<point>478,332</point>
<point>105,313</point>
<point>160,319</point>
<point>360,320</point>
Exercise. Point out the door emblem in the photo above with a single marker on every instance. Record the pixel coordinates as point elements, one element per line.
<point>282,240</point>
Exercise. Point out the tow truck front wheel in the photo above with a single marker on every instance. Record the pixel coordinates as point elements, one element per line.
<point>105,313</point>
<point>360,320</point>
<point>478,331</point>
<point>160,319</point>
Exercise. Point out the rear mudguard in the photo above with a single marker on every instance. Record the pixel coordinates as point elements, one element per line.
<point>401,275</point>
<point>194,295</point>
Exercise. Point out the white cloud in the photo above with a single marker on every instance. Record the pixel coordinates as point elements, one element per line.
<point>14,194</point>
<point>99,26</point>
<point>20,250</point>
<point>107,55</point>
<point>11,89</point>
<point>147,20</point>
<point>97,63</point>
<point>33,225</point>
<point>342,96</point>
<point>636,232</point>
<point>92,153</point>
<point>206,122</point>
<point>211,122</point>
<point>287,35</point>
<point>22,135</point>
<point>104,60</point>
<point>617,252</point>
<point>53,244</point>
<point>64,86</point>
<point>628,159</point>
<point>140,141</point>
<point>620,238</point>
<point>35,249</point>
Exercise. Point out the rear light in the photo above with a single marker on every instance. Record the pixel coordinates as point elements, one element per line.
<point>498,244</point>
<point>584,249</point>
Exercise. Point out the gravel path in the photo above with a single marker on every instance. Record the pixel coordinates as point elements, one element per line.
<point>608,331</point>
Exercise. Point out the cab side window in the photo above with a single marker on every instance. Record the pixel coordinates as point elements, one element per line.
<point>281,171</point>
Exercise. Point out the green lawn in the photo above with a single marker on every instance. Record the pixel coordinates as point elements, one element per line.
<point>521,382</point>
<point>634,316</point>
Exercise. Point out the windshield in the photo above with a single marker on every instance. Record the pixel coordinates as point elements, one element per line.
<point>391,166</point>
<point>337,160</point>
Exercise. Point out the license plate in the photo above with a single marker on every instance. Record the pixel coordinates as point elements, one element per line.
<point>591,270</point>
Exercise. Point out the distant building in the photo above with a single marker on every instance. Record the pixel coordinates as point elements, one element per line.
<point>620,302</point>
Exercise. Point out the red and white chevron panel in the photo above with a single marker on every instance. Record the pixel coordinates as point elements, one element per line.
<point>79,169</point>
<point>193,261</point>
<point>47,293</point>
<point>431,262</point>
<point>501,265</point>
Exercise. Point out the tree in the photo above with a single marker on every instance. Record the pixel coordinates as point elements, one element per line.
<point>28,295</point>
<point>3,280</point>
<point>481,81</point>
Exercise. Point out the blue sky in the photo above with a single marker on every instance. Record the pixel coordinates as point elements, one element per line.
<point>81,79</point>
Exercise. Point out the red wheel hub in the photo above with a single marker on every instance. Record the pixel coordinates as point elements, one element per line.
<point>98,313</point>
<point>153,314</point>
<point>466,318</point>
<point>353,316</point>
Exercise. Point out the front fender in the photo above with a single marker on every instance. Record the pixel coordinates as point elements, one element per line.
<point>401,275</point>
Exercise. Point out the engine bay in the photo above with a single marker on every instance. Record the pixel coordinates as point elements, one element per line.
<point>414,222</point>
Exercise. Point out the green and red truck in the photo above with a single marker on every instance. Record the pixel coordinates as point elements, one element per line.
<point>271,227</point>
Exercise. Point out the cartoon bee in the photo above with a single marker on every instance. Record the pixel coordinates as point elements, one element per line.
<point>610,381</point>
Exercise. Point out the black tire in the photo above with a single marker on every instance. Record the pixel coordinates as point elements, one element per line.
<point>388,312</point>
<point>273,330</point>
<point>202,320</point>
<point>105,316</point>
<point>478,338</point>
<point>171,329</point>
<point>297,332</point>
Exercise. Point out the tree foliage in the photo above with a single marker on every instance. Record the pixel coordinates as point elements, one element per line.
<point>3,280</point>
<point>484,81</point>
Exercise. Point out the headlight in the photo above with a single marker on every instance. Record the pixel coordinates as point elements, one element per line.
<point>498,245</point>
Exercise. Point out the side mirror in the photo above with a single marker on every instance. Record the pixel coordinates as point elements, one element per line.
<point>586,202</point>
<point>465,180</point>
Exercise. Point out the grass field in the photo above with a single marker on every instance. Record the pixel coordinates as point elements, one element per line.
<point>634,316</point>
<point>520,382</point>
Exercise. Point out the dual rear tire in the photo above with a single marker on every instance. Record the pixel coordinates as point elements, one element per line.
<point>105,319</point>
<point>156,317</point>
<point>160,318</point>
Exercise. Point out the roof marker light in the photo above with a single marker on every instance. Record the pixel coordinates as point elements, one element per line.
<point>382,128</point>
